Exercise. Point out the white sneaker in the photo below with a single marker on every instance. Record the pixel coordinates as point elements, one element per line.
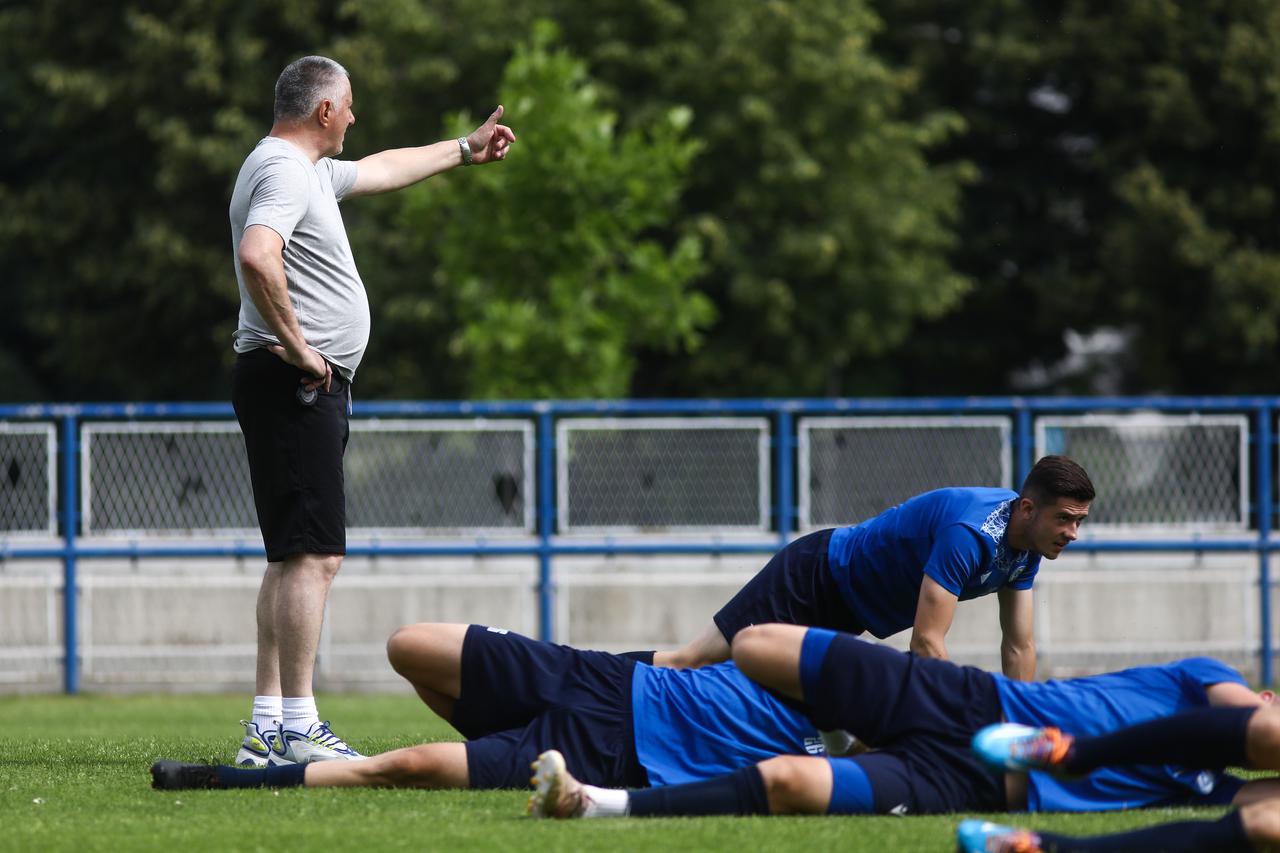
<point>318,743</point>
<point>556,793</point>
<point>255,749</point>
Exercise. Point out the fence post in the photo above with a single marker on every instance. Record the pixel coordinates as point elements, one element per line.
<point>70,493</point>
<point>546,523</point>
<point>1264,534</point>
<point>1025,442</point>
<point>782,464</point>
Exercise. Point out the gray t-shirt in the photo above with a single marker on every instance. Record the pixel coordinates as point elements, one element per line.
<point>281,188</point>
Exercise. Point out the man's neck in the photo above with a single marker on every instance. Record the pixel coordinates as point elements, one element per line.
<point>299,138</point>
<point>1015,532</point>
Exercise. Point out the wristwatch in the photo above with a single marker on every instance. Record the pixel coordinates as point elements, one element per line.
<point>466,150</point>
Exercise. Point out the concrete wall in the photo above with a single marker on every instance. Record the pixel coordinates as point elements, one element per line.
<point>189,625</point>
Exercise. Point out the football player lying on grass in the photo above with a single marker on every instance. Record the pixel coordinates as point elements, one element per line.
<point>1202,737</point>
<point>621,722</point>
<point>918,715</point>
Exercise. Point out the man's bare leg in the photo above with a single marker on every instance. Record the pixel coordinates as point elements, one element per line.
<point>429,656</point>
<point>770,655</point>
<point>1262,824</point>
<point>301,593</point>
<point>267,678</point>
<point>427,765</point>
<point>707,648</point>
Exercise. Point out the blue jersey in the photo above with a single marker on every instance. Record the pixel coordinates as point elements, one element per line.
<point>694,724</point>
<point>1103,703</point>
<point>955,536</point>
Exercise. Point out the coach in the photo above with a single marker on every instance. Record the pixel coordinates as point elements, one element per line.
<point>303,328</point>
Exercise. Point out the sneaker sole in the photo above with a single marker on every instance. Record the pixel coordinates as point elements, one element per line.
<point>548,773</point>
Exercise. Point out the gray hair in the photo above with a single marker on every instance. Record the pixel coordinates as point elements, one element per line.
<point>304,83</point>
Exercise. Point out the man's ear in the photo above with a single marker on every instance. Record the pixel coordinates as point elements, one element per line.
<point>1026,506</point>
<point>324,112</point>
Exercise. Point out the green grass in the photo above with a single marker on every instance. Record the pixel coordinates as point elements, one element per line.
<point>73,776</point>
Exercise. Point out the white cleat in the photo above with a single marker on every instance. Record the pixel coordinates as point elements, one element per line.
<point>318,743</point>
<point>556,793</point>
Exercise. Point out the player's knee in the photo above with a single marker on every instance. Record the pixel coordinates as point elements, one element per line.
<point>404,768</point>
<point>403,647</point>
<point>789,782</point>
<point>1264,738</point>
<point>1262,822</point>
<point>751,642</point>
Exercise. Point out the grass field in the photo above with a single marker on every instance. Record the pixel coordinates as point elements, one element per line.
<point>73,776</point>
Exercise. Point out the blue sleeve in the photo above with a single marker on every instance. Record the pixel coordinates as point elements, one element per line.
<point>957,553</point>
<point>1206,672</point>
<point>1029,576</point>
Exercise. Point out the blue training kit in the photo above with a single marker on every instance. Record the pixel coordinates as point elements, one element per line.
<point>867,577</point>
<point>920,715</point>
<point>618,723</point>
<point>955,536</point>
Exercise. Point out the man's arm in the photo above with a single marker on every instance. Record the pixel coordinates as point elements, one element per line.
<point>935,610</point>
<point>261,254</point>
<point>397,168</point>
<point>1232,694</point>
<point>1018,644</point>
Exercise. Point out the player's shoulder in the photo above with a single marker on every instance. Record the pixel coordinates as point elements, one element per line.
<point>1206,669</point>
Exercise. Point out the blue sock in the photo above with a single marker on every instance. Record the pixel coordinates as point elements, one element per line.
<point>284,776</point>
<point>850,788</point>
<point>739,792</point>
<point>1222,836</point>
<point>1204,738</point>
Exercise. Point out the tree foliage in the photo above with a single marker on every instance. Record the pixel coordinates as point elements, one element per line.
<point>916,196</point>
<point>1128,180</point>
<point>547,262</point>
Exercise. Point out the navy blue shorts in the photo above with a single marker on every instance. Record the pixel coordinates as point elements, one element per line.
<point>520,697</point>
<point>919,715</point>
<point>795,587</point>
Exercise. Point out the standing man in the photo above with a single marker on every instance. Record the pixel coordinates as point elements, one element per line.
<point>304,325</point>
<point>911,565</point>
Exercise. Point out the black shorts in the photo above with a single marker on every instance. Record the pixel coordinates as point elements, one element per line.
<point>521,696</point>
<point>795,587</point>
<point>919,715</point>
<point>295,455</point>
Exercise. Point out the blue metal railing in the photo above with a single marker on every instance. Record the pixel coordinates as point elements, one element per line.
<point>547,546</point>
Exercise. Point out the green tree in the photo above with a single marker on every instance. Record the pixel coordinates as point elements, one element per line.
<point>545,262</point>
<point>828,229</point>
<point>1127,155</point>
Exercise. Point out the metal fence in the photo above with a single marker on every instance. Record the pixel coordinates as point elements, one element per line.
<point>553,479</point>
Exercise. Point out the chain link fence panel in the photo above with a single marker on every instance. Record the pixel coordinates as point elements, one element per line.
<point>151,479</point>
<point>853,468</point>
<point>1158,472</point>
<point>28,477</point>
<point>658,475</point>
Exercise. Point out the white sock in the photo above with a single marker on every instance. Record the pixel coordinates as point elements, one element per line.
<point>606,802</point>
<point>267,711</point>
<point>300,713</point>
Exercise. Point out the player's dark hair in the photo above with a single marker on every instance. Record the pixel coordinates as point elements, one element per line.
<point>1056,477</point>
<point>304,83</point>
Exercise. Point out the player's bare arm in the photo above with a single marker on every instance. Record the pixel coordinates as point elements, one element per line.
<point>397,168</point>
<point>1017,643</point>
<point>935,611</point>
<point>261,254</point>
